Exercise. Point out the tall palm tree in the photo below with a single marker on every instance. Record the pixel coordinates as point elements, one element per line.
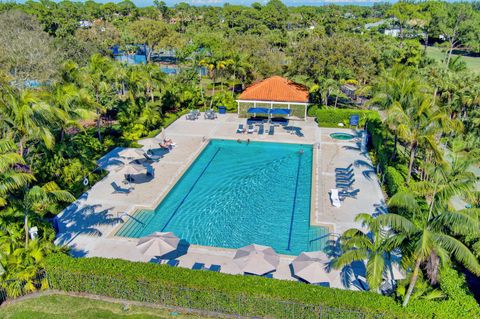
<point>428,238</point>
<point>396,91</point>
<point>239,67</point>
<point>42,199</point>
<point>29,118</point>
<point>95,78</point>
<point>374,246</point>
<point>71,104</point>
<point>214,65</point>
<point>12,176</point>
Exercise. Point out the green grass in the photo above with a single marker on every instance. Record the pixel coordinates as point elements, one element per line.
<point>61,306</point>
<point>473,63</point>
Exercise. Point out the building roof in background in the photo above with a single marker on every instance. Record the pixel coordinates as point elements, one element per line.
<point>277,89</point>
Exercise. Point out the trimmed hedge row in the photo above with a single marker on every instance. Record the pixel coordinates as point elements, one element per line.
<point>210,291</point>
<point>332,117</point>
<point>394,181</point>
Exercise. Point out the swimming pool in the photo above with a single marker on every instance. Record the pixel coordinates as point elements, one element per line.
<point>342,136</point>
<point>235,194</point>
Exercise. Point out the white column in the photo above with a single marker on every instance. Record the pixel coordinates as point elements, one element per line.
<point>238,108</point>
<point>306,106</point>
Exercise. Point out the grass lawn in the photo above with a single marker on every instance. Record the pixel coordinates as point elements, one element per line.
<point>60,306</point>
<point>473,63</point>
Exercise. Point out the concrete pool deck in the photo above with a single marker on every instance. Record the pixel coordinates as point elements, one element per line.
<point>89,224</point>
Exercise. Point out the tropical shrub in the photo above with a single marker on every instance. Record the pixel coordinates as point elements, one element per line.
<point>394,181</point>
<point>332,117</point>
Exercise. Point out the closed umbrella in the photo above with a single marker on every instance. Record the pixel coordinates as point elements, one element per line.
<point>311,267</point>
<point>158,244</point>
<point>256,259</point>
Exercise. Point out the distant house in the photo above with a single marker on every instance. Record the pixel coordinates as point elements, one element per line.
<point>369,26</point>
<point>349,90</point>
<point>395,32</point>
<point>85,24</point>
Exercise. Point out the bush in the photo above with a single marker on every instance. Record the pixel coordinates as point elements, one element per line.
<point>331,117</point>
<point>394,181</point>
<point>245,295</point>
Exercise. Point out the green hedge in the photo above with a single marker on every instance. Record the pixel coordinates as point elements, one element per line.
<point>331,117</point>
<point>234,294</point>
<point>394,181</point>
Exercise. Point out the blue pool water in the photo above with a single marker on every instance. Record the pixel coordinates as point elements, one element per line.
<point>236,194</point>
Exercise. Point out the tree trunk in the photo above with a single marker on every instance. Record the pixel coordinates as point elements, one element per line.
<point>26,228</point>
<point>233,86</point>
<point>412,159</point>
<point>395,142</point>
<point>99,121</point>
<point>336,100</point>
<point>413,281</point>
<point>213,91</point>
<point>426,43</point>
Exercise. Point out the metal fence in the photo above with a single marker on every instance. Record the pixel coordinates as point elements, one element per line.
<point>193,300</point>
<point>197,300</point>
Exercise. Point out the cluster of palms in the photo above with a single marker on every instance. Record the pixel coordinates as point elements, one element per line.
<point>423,232</point>
<point>39,126</point>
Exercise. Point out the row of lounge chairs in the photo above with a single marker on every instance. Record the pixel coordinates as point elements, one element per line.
<point>344,179</point>
<point>196,266</point>
<point>251,129</point>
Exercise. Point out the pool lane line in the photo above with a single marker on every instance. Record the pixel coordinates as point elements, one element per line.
<point>190,190</point>
<point>294,203</point>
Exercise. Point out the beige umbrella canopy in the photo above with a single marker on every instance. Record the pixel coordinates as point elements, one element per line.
<point>131,153</point>
<point>256,259</point>
<point>158,244</point>
<point>311,267</point>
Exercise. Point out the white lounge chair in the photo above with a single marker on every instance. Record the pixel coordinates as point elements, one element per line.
<point>335,198</point>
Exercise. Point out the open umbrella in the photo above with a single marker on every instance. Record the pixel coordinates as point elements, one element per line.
<point>256,259</point>
<point>311,267</point>
<point>158,244</point>
<point>131,153</point>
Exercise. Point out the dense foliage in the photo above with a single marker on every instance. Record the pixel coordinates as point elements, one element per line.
<point>64,102</point>
<point>221,292</point>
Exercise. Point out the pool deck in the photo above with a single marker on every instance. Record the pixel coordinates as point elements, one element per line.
<point>89,224</point>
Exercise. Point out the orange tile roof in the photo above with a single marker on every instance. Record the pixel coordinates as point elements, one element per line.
<point>276,88</point>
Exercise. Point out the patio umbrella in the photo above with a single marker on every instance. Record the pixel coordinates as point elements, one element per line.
<point>256,259</point>
<point>131,153</point>
<point>158,244</point>
<point>311,267</point>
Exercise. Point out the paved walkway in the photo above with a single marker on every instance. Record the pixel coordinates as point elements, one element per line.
<point>89,224</point>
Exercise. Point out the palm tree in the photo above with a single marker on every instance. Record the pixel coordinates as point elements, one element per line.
<point>375,247</point>
<point>214,65</point>
<point>396,91</point>
<point>12,176</point>
<point>42,199</point>
<point>95,78</point>
<point>240,67</point>
<point>428,238</point>
<point>71,104</point>
<point>420,125</point>
<point>29,118</point>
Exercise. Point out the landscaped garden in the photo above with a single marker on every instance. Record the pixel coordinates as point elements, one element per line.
<point>64,108</point>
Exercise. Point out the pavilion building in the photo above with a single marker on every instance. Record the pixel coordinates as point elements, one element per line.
<point>275,92</point>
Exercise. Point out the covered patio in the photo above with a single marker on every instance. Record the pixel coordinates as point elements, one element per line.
<point>274,97</point>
